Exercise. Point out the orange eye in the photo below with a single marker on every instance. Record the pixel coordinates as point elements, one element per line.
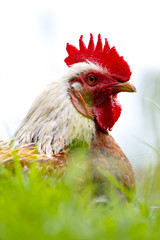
<point>91,80</point>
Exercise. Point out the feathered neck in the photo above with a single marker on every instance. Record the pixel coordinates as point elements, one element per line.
<point>52,120</point>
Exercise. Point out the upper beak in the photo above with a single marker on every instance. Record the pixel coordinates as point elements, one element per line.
<point>124,87</point>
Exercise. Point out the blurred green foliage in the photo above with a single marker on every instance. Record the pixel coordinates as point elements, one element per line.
<point>43,206</point>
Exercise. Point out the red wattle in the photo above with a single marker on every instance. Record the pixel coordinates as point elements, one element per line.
<point>107,113</point>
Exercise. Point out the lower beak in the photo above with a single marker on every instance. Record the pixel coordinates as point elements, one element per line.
<point>124,87</point>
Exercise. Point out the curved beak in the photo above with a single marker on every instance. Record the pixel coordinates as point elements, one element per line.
<point>123,87</point>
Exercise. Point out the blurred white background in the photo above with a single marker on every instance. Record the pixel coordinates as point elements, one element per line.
<point>33,37</point>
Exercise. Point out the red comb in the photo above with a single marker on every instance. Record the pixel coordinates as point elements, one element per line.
<point>105,56</point>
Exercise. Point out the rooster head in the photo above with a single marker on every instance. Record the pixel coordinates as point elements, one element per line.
<point>100,74</point>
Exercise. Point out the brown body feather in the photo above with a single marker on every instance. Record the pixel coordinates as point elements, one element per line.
<point>27,154</point>
<point>107,155</point>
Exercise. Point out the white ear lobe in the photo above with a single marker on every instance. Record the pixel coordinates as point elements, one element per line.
<point>77,86</point>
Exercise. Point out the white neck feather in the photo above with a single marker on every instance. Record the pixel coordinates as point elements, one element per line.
<point>52,121</point>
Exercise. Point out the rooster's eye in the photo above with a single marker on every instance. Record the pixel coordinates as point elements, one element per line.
<point>91,80</point>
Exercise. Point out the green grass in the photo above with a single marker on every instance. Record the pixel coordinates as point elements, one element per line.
<point>44,206</point>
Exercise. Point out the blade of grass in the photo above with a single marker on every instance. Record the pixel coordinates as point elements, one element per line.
<point>150,146</point>
<point>153,102</point>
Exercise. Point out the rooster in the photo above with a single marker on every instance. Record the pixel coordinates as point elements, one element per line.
<point>80,106</point>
